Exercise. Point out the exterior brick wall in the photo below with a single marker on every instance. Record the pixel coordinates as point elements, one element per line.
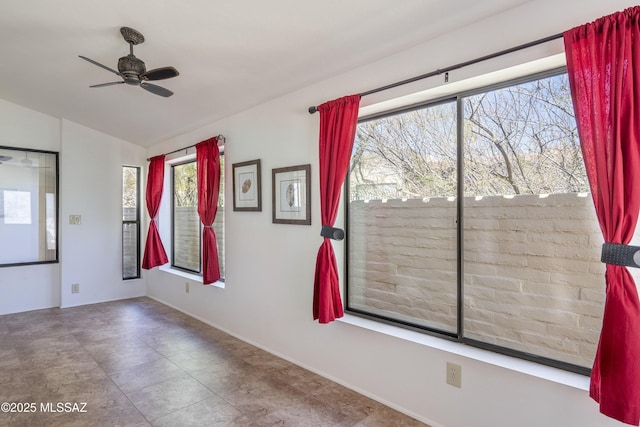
<point>533,280</point>
<point>129,245</point>
<point>186,250</point>
<point>218,227</point>
<point>186,247</point>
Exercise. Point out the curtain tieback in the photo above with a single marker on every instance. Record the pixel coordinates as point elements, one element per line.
<point>332,232</point>
<point>618,254</point>
<point>207,226</point>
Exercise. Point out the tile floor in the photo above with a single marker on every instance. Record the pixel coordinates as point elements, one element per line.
<point>140,363</point>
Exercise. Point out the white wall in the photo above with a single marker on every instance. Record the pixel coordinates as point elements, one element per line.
<point>30,287</point>
<point>91,186</point>
<point>270,267</point>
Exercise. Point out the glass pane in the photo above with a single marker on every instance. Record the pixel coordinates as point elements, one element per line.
<point>186,223</point>
<point>218,227</point>
<point>130,228</point>
<point>530,232</point>
<point>130,254</point>
<point>218,224</point>
<point>402,211</point>
<point>129,193</point>
<point>28,216</point>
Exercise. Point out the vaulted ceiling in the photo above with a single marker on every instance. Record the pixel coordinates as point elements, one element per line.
<point>231,55</point>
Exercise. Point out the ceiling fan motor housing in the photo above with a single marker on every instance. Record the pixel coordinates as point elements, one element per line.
<point>130,68</point>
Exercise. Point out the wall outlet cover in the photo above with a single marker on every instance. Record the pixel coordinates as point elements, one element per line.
<point>454,375</point>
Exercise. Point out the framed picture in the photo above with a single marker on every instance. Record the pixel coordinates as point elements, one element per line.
<point>247,186</point>
<point>292,195</point>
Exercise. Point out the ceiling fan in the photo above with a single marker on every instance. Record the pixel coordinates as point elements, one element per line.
<point>133,71</point>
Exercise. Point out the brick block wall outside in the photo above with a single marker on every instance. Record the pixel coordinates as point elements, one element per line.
<point>186,252</point>
<point>129,246</point>
<point>533,280</point>
<point>187,228</point>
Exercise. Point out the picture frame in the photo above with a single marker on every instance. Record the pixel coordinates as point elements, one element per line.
<point>247,186</point>
<point>291,195</point>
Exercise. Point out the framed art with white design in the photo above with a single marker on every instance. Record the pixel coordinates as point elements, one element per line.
<point>291,195</point>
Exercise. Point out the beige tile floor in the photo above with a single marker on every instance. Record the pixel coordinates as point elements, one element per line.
<point>140,363</point>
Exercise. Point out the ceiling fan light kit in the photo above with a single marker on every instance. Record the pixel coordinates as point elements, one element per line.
<point>133,71</point>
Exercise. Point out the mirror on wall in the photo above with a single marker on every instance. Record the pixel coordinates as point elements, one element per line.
<point>28,206</point>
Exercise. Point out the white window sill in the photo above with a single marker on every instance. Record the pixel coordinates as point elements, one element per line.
<point>523,366</point>
<point>190,276</point>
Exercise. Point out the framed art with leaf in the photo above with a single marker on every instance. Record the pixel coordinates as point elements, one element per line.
<point>291,195</point>
<point>247,186</point>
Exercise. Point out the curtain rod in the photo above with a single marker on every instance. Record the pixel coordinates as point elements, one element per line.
<point>439,71</point>
<point>220,138</point>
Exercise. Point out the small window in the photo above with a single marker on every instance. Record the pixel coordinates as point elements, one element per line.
<point>130,222</point>
<point>186,236</point>
<point>186,229</point>
<point>28,206</point>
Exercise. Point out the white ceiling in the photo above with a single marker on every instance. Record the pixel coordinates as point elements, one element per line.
<point>231,55</point>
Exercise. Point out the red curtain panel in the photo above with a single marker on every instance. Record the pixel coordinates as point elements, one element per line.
<point>603,62</point>
<point>208,163</point>
<point>338,121</point>
<point>154,254</point>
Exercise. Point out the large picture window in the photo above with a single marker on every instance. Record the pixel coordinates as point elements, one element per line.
<point>28,206</point>
<point>470,218</point>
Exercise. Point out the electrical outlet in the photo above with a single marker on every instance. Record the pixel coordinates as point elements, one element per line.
<point>454,375</point>
<point>75,219</point>
<point>186,287</point>
<point>75,288</point>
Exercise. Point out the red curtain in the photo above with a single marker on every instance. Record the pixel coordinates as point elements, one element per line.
<point>154,254</point>
<point>603,61</point>
<point>338,120</point>
<point>208,163</point>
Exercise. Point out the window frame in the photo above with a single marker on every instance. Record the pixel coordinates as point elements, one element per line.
<point>173,222</point>
<point>169,192</point>
<point>459,335</point>
<point>56,155</point>
<point>136,222</point>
